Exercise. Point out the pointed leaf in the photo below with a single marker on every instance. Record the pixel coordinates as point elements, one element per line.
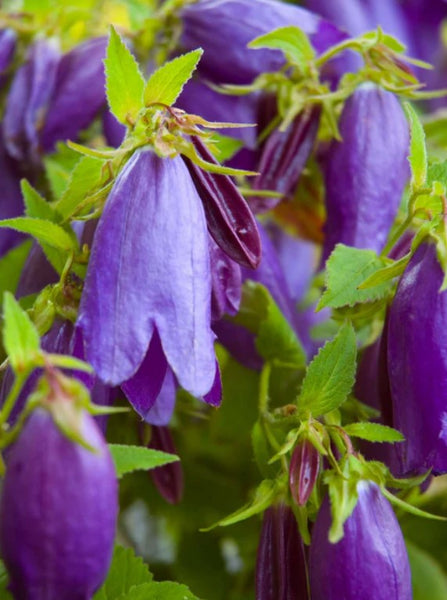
<point>35,205</point>
<point>418,150</point>
<point>124,82</point>
<point>84,178</point>
<point>292,41</point>
<point>164,590</point>
<point>373,432</point>
<point>20,337</point>
<point>166,83</point>
<point>137,458</point>
<point>126,572</point>
<point>44,231</point>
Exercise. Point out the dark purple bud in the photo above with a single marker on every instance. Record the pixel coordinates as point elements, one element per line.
<point>226,283</point>
<point>284,156</point>
<point>58,511</point>
<point>366,172</point>
<point>417,363</point>
<point>229,218</point>
<point>303,471</point>
<point>152,231</point>
<point>370,561</point>
<point>241,21</point>
<point>79,92</point>
<point>280,564</point>
<point>8,42</point>
<point>168,479</point>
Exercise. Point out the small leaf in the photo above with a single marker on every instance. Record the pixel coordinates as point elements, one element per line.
<point>45,232</point>
<point>347,269</point>
<point>164,590</point>
<point>20,337</point>
<point>84,178</point>
<point>418,150</point>
<point>166,83</point>
<point>35,204</point>
<point>137,458</point>
<point>330,376</point>
<point>292,41</point>
<point>263,497</point>
<point>373,432</point>
<point>124,81</point>
<point>126,571</point>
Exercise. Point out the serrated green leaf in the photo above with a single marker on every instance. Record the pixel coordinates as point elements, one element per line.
<point>44,231</point>
<point>164,590</point>
<point>330,376</point>
<point>373,432</point>
<point>20,337</point>
<point>347,269</point>
<point>124,81</point>
<point>58,167</point>
<point>11,265</point>
<point>428,578</point>
<point>126,571</point>
<point>85,177</point>
<point>292,41</point>
<point>35,205</point>
<point>262,499</point>
<point>166,83</point>
<point>137,458</point>
<point>384,275</point>
<point>276,341</point>
<point>418,150</point>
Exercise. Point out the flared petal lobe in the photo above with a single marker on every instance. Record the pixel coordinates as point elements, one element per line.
<point>59,508</point>
<point>417,364</point>
<point>150,266</point>
<point>370,562</point>
<point>367,171</point>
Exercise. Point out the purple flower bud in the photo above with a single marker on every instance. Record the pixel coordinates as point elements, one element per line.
<point>366,172</point>
<point>370,561</point>
<point>303,471</point>
<point>78,92</point>
<point>226,283</point>
<point>8,42</point>
<point>58,511</point>
<point>417,363</point>
<point>241,21</point>
<point>280,564</point>
<point>284,156</point>
<point>168,479</point>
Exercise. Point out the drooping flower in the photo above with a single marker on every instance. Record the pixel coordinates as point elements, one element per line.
<point>370,561</point>
<point>59,509</point>
<point>417,364</point>
<point>366,172</point>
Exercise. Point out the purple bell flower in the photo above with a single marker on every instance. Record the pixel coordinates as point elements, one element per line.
<point>417,364</point>
<point>366,172</point>
<point>226,281</point>
<point>58,511</point>
<point>369,562</point>
<point>280,564</point>
<point>153,234</point>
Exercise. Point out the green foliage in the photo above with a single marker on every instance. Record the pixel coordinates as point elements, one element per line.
<point>347,269</point>
<point>134,458</point>
<point>292,41</point>
<point>418,151</point>
<point>343,497</point>
<point>330,376</point>
<point>11,266</point>
<point>20,337</point>
<point>427,576</point>
<point>44,231</point>
<point>166,83</point>
<point>85,177</point>
<point>124,81</point>
<point>373,432</point>
<point>126,572</point>
<point>4,594</point>
<point>165,590</point>
<point>35,205</point>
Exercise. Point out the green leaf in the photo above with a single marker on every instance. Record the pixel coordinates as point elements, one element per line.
<point>126,571</point>
<point>45,232</point>
<point>276,341</point>
<point>58,167</point>
<point>20,337</point>
<point>35,204</point>
<point>373,432</point>
<point>262,499</point>
<point>124,81</point>
<point>166,83</point>
<point>165,590</point>
<point>11,265</point>
<point>85,177</point>
<point>418,150</point>
<point>292,41</point>
<point>137,458</point>
<point>427,576</point>
<point>347,269</point>
<point>395,269</point>
<point>330,376</point>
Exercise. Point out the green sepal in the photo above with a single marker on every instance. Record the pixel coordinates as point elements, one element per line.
<point>20,337</point>
<point>418,150</point>
<point>409,507</point>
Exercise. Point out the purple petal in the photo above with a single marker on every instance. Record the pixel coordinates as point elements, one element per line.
<point>152,230</point>
<point>114,131</point>
<point>226,283</point>
<point>214,396</point>
<point>161,411</point>
<point>11,202</point>
<point>168,479</point>
<point>8,42</point>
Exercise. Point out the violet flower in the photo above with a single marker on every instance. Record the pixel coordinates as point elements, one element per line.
<point>8,42</point>
<point>11,202</point>
<point>59,508</point>
<point>370,561</point>
<point>280,564</point>
<point>417,364</point>
<point>150,271</point>
<point>366,172</point>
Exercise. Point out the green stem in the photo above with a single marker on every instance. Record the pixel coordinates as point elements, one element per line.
<point>263,401</point>
<point>13,395</point>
